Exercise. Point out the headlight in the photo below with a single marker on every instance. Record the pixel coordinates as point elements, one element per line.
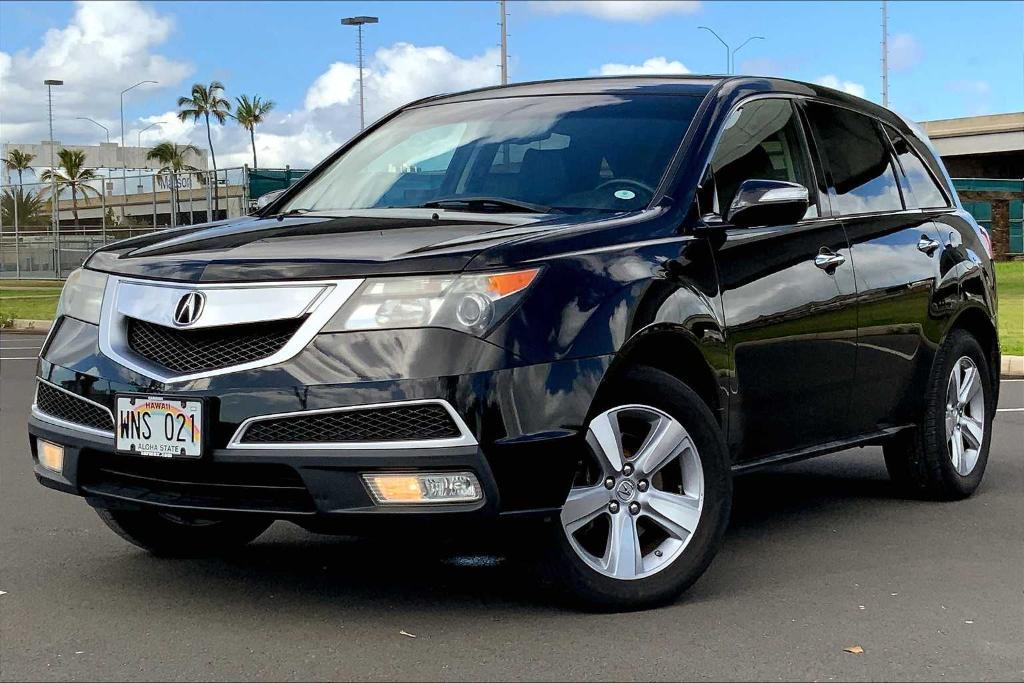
<point>471,303</point>
<point>82,296</point>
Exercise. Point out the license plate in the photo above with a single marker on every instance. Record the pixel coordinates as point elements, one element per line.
<point>162,426</point>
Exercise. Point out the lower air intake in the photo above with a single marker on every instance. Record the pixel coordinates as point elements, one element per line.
<point>418,422</point>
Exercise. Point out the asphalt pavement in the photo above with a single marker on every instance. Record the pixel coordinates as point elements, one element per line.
<point>821,556</point>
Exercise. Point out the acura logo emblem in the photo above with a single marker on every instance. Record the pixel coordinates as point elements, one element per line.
<point>189,308</point>
<point>625,490</point>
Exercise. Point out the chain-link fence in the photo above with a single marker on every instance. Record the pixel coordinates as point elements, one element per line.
<point>42,238</point>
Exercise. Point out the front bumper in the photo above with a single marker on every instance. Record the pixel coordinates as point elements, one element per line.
<point>526,422</point>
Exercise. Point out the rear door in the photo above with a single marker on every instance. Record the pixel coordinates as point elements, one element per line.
<point>896,251</point>
<point>790,324</point>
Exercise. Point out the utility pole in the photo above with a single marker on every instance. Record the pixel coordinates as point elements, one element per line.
<point>358,22</point>
<point>124,152</point>
<point>503,23</point>
<point>54,216</point>
<point>885,54</point>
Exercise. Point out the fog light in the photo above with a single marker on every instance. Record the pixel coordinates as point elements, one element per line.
<point>51,456</point>
<point>422,488</point>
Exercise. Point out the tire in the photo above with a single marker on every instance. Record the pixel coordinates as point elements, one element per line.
<point>922,461</point>
<point>168,535</point>
<point>572,564</point>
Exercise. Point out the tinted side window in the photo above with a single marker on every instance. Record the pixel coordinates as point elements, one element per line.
<point>858,158</point>
<point>762,140</point>
<point>921,184</point>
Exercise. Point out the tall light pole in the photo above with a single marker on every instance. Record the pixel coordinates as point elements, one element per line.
<point>139,143</point>
<point>358,22</point>
<point>86,118</point>
<point>730,54</point>
<point>502,22</point>
<point>124,159</point>
<point>885,54</point>
<point>712,32</point>
<point>733,63</point>
<point>54,218</point>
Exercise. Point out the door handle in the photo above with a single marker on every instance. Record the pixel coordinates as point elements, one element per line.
<point>927,245</point>
<point>828,260</point>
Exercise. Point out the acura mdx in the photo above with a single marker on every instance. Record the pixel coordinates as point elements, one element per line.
<point>585,302</point>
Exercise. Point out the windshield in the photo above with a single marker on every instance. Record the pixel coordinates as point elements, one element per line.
<point>571,153</point>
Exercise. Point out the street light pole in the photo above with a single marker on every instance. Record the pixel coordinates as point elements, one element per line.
<point>728,67</point>
<point>730,54</point>
<point>54,217</point>
<point>358,22</point>
<point>741,47</point>
<point>124,160</point>
<point>139,144</point>
<point>86,118</point>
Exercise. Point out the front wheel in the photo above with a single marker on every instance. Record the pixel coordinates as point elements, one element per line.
<point>171,535</point>
<point>647,510</point>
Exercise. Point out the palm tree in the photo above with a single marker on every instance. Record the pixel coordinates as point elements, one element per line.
<point>172,156</point>
<point>75,176</point>
<point>19,161</point>
<point>204,103</point>
<point>250,113</point>
<point>23,209</point>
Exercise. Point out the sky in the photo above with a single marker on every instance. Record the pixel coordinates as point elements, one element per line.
<point>947,59</point>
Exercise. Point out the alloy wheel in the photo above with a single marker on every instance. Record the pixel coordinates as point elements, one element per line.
<point>636,507</point>
<point>965,415</point>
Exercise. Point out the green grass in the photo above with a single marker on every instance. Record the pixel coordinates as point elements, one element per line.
<point>1010,284</point>
<point>23,284</point>
<point>28,308</point>
<point>28,299</point>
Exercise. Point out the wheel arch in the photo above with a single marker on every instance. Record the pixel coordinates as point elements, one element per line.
<point>676,351</point>
<point>979,323</point>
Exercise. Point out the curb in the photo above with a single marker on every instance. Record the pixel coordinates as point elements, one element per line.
<point>38,326</point>
<point>1012,366</point>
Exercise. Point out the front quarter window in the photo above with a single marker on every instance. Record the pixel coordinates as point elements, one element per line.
<point>762,140</point>
<point>565,153</point>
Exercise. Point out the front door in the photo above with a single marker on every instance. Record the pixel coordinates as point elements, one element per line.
<point>787,292</point>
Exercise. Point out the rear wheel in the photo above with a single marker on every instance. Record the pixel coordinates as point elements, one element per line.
<point>172,535</point>
<point>648,507</point>
<point>945,457</point>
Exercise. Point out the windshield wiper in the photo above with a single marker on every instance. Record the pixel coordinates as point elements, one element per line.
<point>486,203</point>
<point>291,212</point>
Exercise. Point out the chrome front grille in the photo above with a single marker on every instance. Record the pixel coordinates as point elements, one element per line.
<point>66,406</point>
<point>414,422</point>
<point>209,348</point>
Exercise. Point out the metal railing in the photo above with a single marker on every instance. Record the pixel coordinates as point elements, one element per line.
<point>105,209</point>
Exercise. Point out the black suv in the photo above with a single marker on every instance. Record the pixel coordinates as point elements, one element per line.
<point>591,302</point>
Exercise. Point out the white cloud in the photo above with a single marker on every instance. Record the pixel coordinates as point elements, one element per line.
<point>833,81</point>
<point>654,65</point>
<point>617,10</point>
<point>904,52</point>
<point>108,46</point>
<point>105,48</point>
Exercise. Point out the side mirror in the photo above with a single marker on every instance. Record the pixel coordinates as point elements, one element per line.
<point>768,202</point>
<point>267,199</point>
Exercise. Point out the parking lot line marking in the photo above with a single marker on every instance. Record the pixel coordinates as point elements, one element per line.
<point>1009,410</point>
<point>22,358</point>
<point>18,348</point>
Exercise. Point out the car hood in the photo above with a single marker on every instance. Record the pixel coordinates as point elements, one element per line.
<point>350,244</point>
